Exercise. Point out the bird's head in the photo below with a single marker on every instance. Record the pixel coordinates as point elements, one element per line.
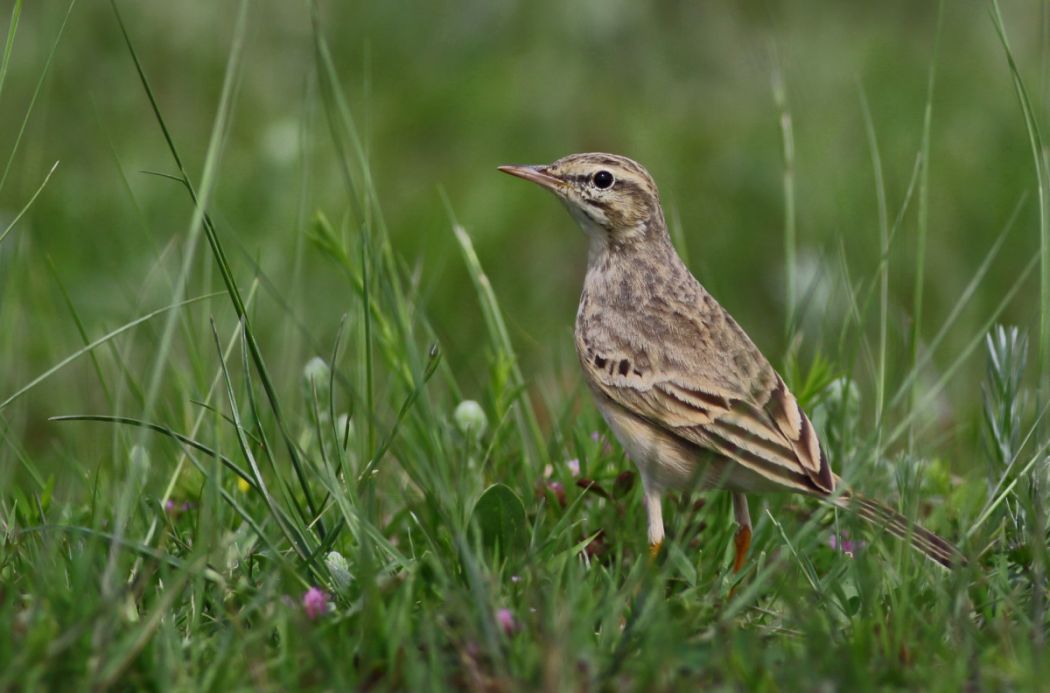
<point>613,198</point>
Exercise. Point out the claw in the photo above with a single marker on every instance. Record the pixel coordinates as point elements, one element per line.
<point>742,541</point>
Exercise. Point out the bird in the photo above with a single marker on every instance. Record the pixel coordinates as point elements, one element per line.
<point>691,399</point>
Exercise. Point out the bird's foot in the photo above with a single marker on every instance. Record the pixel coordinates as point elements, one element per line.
<point>654,549</point>
<point>742,541</point>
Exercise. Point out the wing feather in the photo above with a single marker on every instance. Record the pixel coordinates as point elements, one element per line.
<point>758,423</point>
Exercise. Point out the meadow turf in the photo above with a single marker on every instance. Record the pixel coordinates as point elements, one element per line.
<point>287,391</point>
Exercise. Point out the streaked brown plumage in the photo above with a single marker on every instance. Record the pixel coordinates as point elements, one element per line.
<point>682,386</point>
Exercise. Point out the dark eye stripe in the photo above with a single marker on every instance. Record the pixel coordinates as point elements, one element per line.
<point>628,186</point>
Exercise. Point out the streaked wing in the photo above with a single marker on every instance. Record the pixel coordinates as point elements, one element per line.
<point>736,405</point>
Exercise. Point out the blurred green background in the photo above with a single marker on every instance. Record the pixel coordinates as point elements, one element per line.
<point>444,93</point>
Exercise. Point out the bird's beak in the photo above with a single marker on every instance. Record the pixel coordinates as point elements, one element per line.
<point>537,174</point>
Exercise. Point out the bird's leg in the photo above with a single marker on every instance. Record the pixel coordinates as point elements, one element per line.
<point>742,540</point>
<point>656,519</point>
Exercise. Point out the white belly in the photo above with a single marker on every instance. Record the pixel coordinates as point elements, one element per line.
<point>663,460</point>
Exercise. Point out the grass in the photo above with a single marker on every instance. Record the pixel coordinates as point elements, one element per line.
<point>224,454</point>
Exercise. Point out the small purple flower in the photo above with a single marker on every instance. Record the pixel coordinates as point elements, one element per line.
<point>574,466</point>
<point>174,507</point>
<point>505,619</point>
<point>315,602</point>
<point>842,542</point>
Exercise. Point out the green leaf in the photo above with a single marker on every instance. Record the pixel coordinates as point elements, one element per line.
<point>501,516</point>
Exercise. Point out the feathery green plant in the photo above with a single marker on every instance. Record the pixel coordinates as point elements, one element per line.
<point>1004,405</point>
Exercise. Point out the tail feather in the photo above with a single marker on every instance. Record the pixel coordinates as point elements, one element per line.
<point>883,517</point>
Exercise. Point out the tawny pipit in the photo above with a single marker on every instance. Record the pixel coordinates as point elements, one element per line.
<point>688,395</point>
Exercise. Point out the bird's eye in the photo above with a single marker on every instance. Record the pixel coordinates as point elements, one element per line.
<point>603,180</point>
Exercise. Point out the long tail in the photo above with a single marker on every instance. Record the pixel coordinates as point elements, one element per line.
<point>883,517</point>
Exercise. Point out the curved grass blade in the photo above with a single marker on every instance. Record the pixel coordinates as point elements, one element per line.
<point>935,390</point>
<point>196,445</point>
<point>289,495</point>
<point>435,358</point>
<point>962,302</point>
<point>36,93</point>
<point>82,331</point>
<point>98,342</point>
<point>174,435</point>
<point>32,199</point>
<point>1042,175</point>
<point>528,426</point>
<point>9,44</point>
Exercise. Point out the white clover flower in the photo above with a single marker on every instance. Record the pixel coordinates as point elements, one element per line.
<point>316,372</point>
<point>470,418</point>
<point>339,569</point>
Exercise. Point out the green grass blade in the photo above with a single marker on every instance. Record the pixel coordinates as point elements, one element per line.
<point>189,442</point>
<point>75,316</point>
<point>922,224</point>
<point>1035,140</point>
<point>9,43</point>
<point>431,368</point>
<point>109,537</point>
<point>122,654</point>
<point>165,430</point>
<point>264,441</point>
<point>293,534</point>
<point>21,212</point>
<point>98,342</point>
<point>528,426</point>
<point>36,94</point>
<point>964,299</point>
<point>884,251</point>
<point>176,473</point>
<point>935,390</point>
<point>20,453</point>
